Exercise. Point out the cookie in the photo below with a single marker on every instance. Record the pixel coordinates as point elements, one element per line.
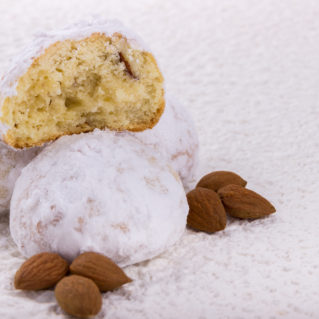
<point>11,163</point>
<point>86,76</point>
<point>102,191</point>
<point>175,137</point>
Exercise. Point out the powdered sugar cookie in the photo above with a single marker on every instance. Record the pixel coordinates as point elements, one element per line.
<point>176,138</point>
<point>11,163</point>
<point>89,75</point>
<point>101,191</point>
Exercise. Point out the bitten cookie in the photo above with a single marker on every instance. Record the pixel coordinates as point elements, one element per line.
<point>11,163</point>
<point>176,138</point>
<point>87,76</point>
<point>102,191</point>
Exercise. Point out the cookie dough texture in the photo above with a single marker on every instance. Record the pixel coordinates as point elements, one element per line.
<point>86,76</point>
<point>11,163</point>
<point>102,191</point>
<point>176,138</point>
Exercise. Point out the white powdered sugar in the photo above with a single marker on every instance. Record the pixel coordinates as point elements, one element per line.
<point>176,138</point>
<point>102,191</point>
<point>11,163</point>
<point>248,73</point>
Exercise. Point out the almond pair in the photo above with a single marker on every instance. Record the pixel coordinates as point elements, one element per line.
<point>220,192</point>
<point>79,294</point>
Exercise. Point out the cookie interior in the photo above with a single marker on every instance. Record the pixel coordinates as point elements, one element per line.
<point>78,85</point>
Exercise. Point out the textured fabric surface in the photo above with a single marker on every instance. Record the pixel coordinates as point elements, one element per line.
<point>248,72</point>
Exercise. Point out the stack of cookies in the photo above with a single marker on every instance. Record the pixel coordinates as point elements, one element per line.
<point>95,156</point>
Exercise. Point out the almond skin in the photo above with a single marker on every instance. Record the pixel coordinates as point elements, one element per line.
<point>244,203</point>
<point>206,211</point>
<point>78,296</point>
<point>219,179</point>
<point>41,271</point>
<point>102,270</point>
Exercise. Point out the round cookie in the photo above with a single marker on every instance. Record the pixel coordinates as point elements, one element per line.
<point>11,163</point>
<point>86,76</point>
<point>176,138</point>
<point>103,191</point>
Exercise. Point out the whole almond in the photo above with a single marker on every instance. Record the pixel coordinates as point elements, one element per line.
<point>78,296</point>
<point>41,271</point>
<point>102,270</point>
<point>219,179</point>
<point>244,203</point>
<point>206,211</point>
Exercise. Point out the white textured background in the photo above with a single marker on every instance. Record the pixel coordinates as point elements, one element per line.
<point>249,73</point>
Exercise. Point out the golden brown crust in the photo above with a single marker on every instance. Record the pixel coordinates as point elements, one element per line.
<point>12,141</point>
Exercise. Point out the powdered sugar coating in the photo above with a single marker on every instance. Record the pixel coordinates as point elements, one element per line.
<point>101,191</point>
<point>11,163</point>
<point>176,138</point>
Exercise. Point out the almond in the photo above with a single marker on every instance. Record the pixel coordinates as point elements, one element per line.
<point>102,270</point>
<point>219,179</point>
<point>206,211</point>
<point>244,203</point>
<point>78,296</point>
<point>127,65</point>
<point>41,271</point>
